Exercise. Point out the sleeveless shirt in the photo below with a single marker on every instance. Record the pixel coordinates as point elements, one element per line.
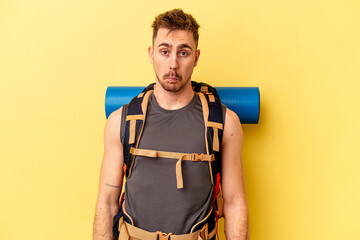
<point>151,195</point>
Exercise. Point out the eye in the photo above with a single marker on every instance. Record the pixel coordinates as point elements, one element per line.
<point>164,52</point>
<point>183,53</point>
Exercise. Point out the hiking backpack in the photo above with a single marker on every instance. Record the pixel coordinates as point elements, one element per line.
<point>214,122</point>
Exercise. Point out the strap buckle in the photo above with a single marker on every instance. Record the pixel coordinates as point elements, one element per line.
<point>163,236</point>
<point>131,150</point>
<point>197,157</point>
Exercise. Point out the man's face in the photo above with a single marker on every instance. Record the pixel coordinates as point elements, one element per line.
<point>174,56</point>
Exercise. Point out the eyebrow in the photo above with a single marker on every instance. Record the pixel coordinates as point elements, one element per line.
<point>164,45</point>
<point>184,45</point>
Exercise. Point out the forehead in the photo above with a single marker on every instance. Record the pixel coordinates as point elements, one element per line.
<point>174,37</point>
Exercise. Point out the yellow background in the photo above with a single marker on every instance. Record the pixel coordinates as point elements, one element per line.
<point>301,162</point>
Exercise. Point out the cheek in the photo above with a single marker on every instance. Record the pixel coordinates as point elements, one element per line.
<point>159,68</point>
<point>159,61</point>
<point>189,65</point>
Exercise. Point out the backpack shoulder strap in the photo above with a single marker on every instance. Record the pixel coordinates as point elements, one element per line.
<point>214,125</point>
<point>134,126</point>
<point>213,119</point>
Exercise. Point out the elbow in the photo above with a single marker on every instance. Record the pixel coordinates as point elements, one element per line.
<point>235,205</point>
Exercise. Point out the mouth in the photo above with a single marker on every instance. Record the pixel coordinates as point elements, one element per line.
<point>172,79</point>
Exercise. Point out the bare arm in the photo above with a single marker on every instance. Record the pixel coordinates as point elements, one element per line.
<point>235,206</point>
<point>111,177</point>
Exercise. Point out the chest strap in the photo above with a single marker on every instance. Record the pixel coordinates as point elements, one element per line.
<point>195,157</point>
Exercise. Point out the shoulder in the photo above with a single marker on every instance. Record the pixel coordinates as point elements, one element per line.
<point>115,116</point>
<point>231,117</point>
<point>113,124</point>
<point>232,125</point>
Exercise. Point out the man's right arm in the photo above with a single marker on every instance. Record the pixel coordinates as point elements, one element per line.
<point>111,178</point>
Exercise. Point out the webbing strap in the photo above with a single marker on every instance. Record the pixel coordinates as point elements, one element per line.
<point>137,233</point>
<point>216,144</point>
<point>145,102</point>
<point>213,232</point>
<point>205,90</point>
<point>205,109</point>
<point>211,98</point>
<point>132,119</point>
<point>180,156</point>
<point>144,110</point>
<point>205,232</point>
<point>132,131</point>
<point>216,126</point>
<point>123,233</point>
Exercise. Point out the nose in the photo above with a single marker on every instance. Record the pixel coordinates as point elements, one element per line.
<point>174,63</point>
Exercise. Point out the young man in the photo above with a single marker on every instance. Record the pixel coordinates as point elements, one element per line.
<point>158,204</point>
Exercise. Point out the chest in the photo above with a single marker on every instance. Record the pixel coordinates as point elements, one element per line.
<point>177,131</point>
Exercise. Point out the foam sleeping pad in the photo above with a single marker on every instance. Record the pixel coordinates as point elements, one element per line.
<point>244,101</point>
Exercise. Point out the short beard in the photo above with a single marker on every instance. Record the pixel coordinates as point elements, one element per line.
<point>173,87</point>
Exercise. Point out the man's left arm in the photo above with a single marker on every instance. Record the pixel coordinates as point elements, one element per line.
<point>235,206</point>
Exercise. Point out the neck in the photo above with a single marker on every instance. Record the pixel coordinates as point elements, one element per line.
<point>173,100</point>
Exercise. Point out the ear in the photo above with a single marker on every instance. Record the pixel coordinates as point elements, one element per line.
<point>151,54</point>
<point>197,55</point>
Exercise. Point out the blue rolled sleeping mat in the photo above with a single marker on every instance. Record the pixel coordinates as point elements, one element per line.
<point>244,101</point>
